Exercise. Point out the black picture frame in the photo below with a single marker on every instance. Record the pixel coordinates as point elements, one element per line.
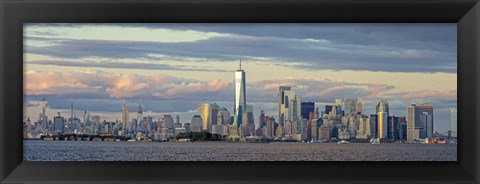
<point>466,13</point>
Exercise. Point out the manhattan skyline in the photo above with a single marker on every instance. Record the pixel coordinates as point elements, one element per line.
<point>172,68</point>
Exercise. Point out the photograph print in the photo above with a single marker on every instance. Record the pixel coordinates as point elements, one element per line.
<point>240,92</point>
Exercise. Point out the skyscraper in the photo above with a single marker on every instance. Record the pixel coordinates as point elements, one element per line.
<point>382,113</point>
<point>382,106</point>
<point>350,105</point>
<point>204,111</point>
<point>139,117</point>
<point>283,93</point>
<point>295,108</point>
<point>240,96</point>
<point>307,107</point>
<point>125,118</point>
<point>413,120</point>
<point>262,119</point>
<point>453,122</point>
<point>196,123</point>
<point>58,123</point>
<point>44,117</point>
<point>358,107</point>
<point>426,122</point>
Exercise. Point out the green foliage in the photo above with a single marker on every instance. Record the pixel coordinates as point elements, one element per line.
<point>200,136</point>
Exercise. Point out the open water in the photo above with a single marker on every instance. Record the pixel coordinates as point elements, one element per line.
<point>36,150</point>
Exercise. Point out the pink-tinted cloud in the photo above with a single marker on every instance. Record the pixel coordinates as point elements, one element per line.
<point>87,82</point>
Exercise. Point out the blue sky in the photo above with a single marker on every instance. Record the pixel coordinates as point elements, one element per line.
<point>174,67</point>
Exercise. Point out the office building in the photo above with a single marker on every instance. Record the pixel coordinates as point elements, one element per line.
<point>382,124</point>
<point>350,105</point>
<point>374,125</point>
<point>240,96</point>
<point>413,121</point>
<point>382,106</point>
<point>196,123</point>
<point>204,111</point>
<point>125,116</point>
<point>58,123</point>
<point>307,108</point>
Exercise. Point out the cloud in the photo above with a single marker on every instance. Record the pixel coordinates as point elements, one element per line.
<point>430,94</point>
<point>371,47</point>
<point>109,85</point>
<point>122,65</point>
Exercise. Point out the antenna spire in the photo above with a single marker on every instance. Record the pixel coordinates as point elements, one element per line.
<point>240,60</point>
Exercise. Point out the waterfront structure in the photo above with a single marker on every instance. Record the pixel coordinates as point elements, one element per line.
<point>453,122</point>
<point>426,120</point>
<point>306,109</point>
<point>314,129</point>
<point>420,121</point>
<point>374,125</point>
<point>270,126</point>
<point>167,122</point>
<point>413,121</point>
<point>223,117</point>
<point>364,127</point>
<point>204,111</point>
<point>213,115</point>
<point>196,123</point>
<point>240,102</point>
<point>58,123</point>
<point>393,128</point>
<point>382,125</point>
<point>125,118</point>
<point>324,133</point>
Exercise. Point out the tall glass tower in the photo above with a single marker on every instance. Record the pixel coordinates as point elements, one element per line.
<point>240,102</point>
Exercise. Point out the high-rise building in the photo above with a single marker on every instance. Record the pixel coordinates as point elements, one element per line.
<point>382,125</point>
<point>426,120</point>
<point>167,122</point>
<point>196,123</point>
<point>307,107</point>
<point>240,102</point>
<point>358,107</point>
<point>393,128</point>
<point>364,127</point>
<point>204,111</point>
<point>270,126</point>
<point>374,125</point>
<point>420,122</point>
<point>283,93</point>
<point>262,119</point>
<point>382,106</point>
<point>43,104</point>
<point>58,123</point>
<point>139,117</point>
<point>324,133</point>
<point>295,108</point>
<point>125,118</point>
<point>350,105</point>
<point>413,121</point>
<point>453,122</point>
<point>328,108</point>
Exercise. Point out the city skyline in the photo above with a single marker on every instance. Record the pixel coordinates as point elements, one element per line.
<point>175,82</point>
